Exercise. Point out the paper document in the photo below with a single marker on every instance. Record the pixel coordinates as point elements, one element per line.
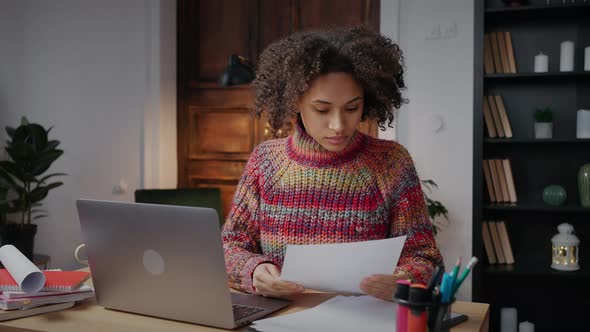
<point>340,267</point>
<point>341,313</point>
<point>26,274</point>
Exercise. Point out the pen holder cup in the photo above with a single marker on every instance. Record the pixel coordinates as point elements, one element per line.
<point>438,313</point>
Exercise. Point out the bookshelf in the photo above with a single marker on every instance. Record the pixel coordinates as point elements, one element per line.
<point>552,300</point>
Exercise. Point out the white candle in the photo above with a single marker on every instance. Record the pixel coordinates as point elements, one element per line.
<point>541,63</point>
<point>508,320</point>
<point>566,60</point>
<point>526,327</point>
<point>587,58</point>
<point>583,124</point>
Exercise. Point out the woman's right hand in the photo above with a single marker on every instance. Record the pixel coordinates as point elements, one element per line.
<point>266,279</point>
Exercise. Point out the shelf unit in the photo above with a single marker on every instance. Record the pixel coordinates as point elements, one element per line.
<point>553,300</point>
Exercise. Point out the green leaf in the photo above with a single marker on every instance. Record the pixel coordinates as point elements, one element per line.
<point>10,131</point>
<point>38,136</point>
<point>40,216</point>
<point>9,172</point>
<point>51,145</point>
<point>40,193</point>
<point>43,179</point>
<point>21,153</point>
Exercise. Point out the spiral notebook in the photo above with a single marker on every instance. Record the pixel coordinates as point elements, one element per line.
<point>55,281</point>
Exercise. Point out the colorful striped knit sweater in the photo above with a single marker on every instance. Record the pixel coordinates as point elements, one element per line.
<point>293,191</point>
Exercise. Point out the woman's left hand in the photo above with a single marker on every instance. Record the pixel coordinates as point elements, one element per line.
<point>382,286</point>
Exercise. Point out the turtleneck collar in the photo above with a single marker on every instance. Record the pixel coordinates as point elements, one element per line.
<point>306,150</point>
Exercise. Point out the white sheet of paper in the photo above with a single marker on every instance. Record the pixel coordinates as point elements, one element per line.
<point>341,313</point>
<point>340,267</point>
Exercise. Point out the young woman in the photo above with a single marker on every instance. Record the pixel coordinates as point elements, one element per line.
<point>327,182</point>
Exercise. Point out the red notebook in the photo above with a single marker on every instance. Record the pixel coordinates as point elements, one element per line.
<point>54,280</point>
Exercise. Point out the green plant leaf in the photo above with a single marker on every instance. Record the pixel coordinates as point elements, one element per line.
<point>10,131</point>
<point>10,172</point>
<point>40,216</point>
<point>43,179</point>
<point>40,193</point>
<point>51,145</point>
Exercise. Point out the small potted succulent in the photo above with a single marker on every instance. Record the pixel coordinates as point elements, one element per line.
<point>543,123</point>
<point>30,155</point>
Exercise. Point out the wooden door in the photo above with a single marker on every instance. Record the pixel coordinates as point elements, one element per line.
<point>216,131</point>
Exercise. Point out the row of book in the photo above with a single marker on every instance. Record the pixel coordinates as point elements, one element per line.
<point>496,242</point>
<point>496,118</point>
<point>499,181</point>
<point>498,53</point>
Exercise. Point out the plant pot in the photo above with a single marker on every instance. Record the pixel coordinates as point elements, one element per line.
<point>20,236</point>
<point>543,130</point>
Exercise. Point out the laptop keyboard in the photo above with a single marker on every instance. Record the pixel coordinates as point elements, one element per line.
<point>242,311</point>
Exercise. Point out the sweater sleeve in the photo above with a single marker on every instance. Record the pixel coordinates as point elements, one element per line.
<point>241,231</point>
<point>410,217</point>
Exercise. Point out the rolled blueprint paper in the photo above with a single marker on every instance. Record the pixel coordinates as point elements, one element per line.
<point>26,274</point>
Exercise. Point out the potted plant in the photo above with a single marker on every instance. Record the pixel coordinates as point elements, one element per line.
<point>3,201</point>
<point>30,154</point>
<point>435,208</point>
<point>543,123</point>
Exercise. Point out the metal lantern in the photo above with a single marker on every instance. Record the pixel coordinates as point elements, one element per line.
<point>565,249</point>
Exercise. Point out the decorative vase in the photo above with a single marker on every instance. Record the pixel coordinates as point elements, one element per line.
<point>543,129</point>
<point>584,185</point>
<point>554,195</point>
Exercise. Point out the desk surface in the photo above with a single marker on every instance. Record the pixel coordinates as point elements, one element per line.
<point>88,316</point>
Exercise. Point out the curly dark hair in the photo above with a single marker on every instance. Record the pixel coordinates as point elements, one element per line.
<point>287,66</point>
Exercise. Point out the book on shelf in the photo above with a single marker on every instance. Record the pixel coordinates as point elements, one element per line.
<point>488,121</point>
<point>503,52</point>
<point>502,179</point>
<point>510,180</point>
<point>496,53</point>
<point>499,53</point>
<point>488,180</point>
<point>504,120</point>
<point>14,314</point>
<point>495,183</point>
<point>499,181</point>
<point>497,244</point>
<point>487,243</point>
<point>496,116</point>
<point>488,60</point>
<point>510,50</point>
<point>506,247</point>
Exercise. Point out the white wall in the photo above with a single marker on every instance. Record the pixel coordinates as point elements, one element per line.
<point>103,74</point>
<point>437,125</point>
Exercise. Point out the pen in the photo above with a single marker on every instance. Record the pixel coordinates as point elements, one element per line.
<point>446,288</point>
<point>455,273</point>
<point>434,279</point>
<point>466,271</point>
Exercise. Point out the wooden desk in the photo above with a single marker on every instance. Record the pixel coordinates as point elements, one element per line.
<point>88,317</point>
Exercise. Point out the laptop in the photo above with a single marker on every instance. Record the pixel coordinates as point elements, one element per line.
<point>164,261</point>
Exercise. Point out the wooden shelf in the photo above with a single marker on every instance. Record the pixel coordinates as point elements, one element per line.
<point>536,141</point>
<point>531,207</point>
<point>547,11</point>
<point>544,76</point>
<point>533,269</point>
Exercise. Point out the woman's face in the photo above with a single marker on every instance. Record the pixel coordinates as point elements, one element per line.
<point>331,109</point>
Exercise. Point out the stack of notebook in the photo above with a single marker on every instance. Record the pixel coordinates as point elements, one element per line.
<point>27,291</point>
